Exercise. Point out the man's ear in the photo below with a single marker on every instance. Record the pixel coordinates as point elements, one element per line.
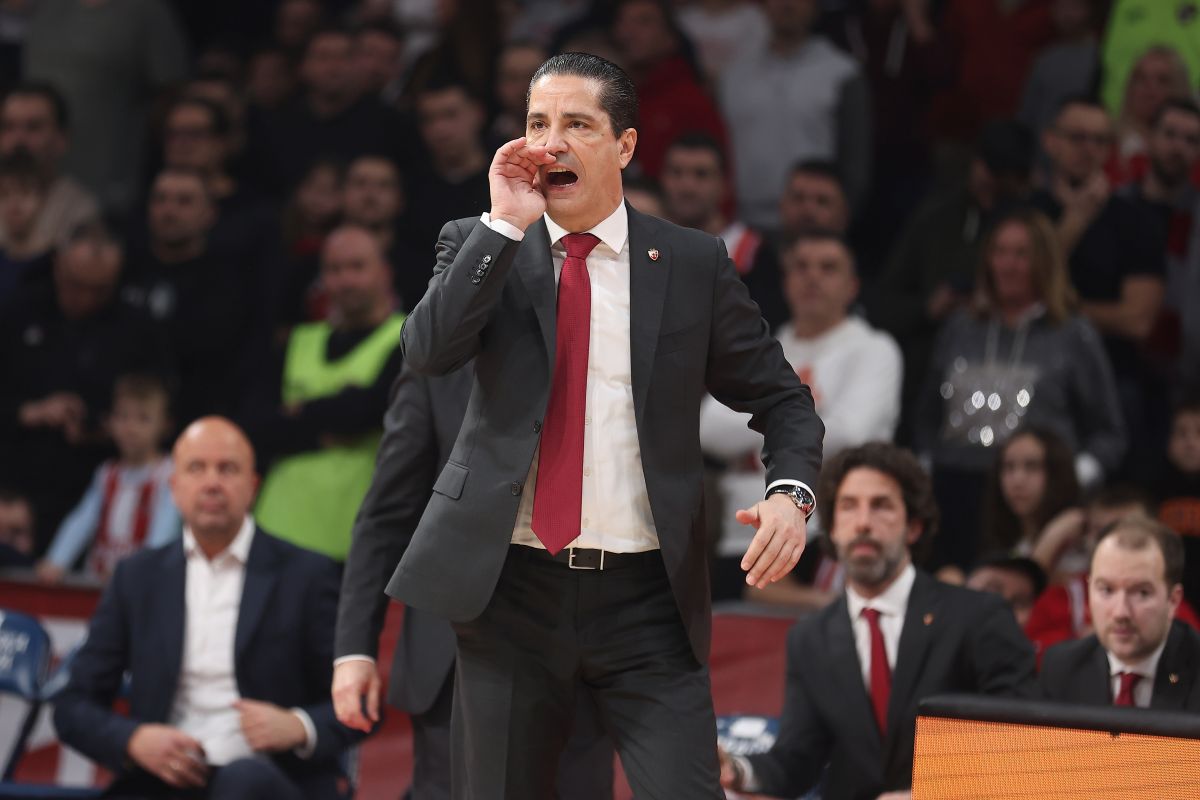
<point>626,144</point>
<point>915,529</point>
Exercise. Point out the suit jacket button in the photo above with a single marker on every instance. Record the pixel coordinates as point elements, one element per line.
<point>487,259</point>
<point>537,426</point>
<point>515,487</point>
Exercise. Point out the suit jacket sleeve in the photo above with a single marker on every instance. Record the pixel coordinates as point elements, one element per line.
<point>793,765</point>
<point>747,371</point>
<point>83,715</point>
<point>444,331</point>
<point>319,619</point>
<point>404,473</point>
<point>1002,657</point>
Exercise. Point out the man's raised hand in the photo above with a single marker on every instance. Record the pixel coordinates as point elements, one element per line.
<point>515,188</point>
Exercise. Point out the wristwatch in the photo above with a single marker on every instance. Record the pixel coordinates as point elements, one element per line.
<point>799,495</point>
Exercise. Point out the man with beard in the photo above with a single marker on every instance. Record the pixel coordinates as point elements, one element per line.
<point>1139,655</point>
<point>374,199</point>
<point>858,668</point>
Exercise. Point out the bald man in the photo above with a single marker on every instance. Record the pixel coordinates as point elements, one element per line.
<point>319,412</point>
<point>228,637</point>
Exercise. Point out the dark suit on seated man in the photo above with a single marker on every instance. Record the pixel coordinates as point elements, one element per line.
<point>1139,655</point>
<point>227,637</point>
<point>858,668</point>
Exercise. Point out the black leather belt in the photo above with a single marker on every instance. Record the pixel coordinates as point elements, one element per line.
<point>585,558</point>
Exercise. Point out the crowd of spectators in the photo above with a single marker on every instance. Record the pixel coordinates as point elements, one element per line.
<point>971,223</point>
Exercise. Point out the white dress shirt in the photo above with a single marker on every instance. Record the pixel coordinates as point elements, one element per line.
<point>1143,690</point>
<point>203,706</point>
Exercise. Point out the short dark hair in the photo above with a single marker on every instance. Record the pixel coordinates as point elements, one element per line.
<point>618,96</point>
<point>1116,495</point>
<point>1138,531</point>
<point>1025,567</point>
<point>141,386</point>
<point>1182,105</point>
<point>48,92</point>
<point>385,26</point>
<point>445,80</point>
<point>818,168</point>
<point>816,235</point>
<point>699,140</point>
<point>897,463</point>
<point>1085,100</point>
<point>1007,147</point>
<point>217,116</point>
<point>190,173</point>
<point>1187,403</point>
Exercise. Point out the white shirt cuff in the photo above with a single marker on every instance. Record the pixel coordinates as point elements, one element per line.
<point>310,734</point>
<point>353,657</point>
<point>790,482</point>
<point>501,227</point>
<point>749,779</point>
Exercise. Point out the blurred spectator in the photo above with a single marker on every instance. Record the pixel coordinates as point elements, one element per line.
<point>799,98</point>
<point>853,371</point>
<point>1017,579</point>
<point>813,199</point>
<point>329,117</point>
<point>1134,26</point>
<point>33,119</point>
<point>1178,489</point>
<point>314,210</point>
<point>322,401</point>
<point>695,193</point>
<point>109,60</point>
<point>270,79</point>
<point>227,639</point>
<point>1020,354</point>
<point>1139,655</point>
<point>514,70</point>
<point>994,43</point>
<point>379,59</point>
<point>1158,75</point>
<point>22,197</point>
<point>1065,69</point>
<point>206,300</point>
<point>16,530</point>
<point>467,44</point>
<point>62,346</point>
<point>296,22</point>
<point>1117,255</point>
<point>644,195</point>
<point>671,99</point>
<point>723,31</point>
<point>932,268</point>
<point>453,183</point>
<point>374,200</point>
<point>1032,503</point>
<point>128,504</point>
<point>895,637</point>
<point>1167,189</point>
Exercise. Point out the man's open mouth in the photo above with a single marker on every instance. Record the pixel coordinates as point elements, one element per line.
<point>560,176</point>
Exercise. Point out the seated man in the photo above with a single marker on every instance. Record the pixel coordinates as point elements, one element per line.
<point>1139,655</point>
<point>228,637</point>
<point>1017,579</point>
<point>858,668</point>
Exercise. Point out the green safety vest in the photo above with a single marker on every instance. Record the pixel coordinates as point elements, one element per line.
<point>311,498</point>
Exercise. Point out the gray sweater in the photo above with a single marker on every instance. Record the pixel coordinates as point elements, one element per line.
<point>986,380</point>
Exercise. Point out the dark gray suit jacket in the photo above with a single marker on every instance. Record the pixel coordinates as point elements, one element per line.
<point>1078,672</point>
<point>693,328</point>
<point>954,640</point>
<point>422,421</point>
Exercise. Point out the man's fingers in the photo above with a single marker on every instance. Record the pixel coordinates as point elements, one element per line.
<point>763,563</point>
<point>747,516</point>
<point>756,547</point>
<point>784,563</point>
<point>347,706</point>
<point>373,698</point>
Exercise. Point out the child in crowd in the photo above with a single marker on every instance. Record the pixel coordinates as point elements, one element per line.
<point>16,530</point>
<point>22,193</point>
<point>1179,491</point>
<point>128,505</point>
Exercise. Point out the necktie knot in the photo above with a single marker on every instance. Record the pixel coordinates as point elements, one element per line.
<point>579,245</point>
<point>1129,680</point>
<point>871,615</point>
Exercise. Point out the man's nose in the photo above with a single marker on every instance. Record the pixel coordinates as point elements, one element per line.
<point>555,141</point>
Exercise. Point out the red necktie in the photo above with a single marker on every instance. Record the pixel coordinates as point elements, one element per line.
<point>558,497</point>
<point>1125,691</point>
<point>881,674</point>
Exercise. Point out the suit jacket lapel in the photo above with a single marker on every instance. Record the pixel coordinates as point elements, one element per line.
<point>536,269</point>
<point>847,671</point>
<point>1095,684</point>
<point>647,293</point>
<point>261,573</point>
<point>915,639</point>
<point>1175,673</point>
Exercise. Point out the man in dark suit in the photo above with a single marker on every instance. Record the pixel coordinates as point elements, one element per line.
<point>858,668</point>
<point>227,636</point>
<point>421,425</point>
<point>564,537</point>
<point>1139,655</point>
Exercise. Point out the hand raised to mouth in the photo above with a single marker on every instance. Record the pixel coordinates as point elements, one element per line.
<point>516,190</point>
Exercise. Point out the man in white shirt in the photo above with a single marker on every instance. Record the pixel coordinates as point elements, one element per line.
<point>227,636</point>
<point>858,668</point>
<point>1139,654</point>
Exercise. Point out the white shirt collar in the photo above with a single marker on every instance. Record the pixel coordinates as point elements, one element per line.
<point>1147,667</point>
<point>893,602</point>
<point>239,548</point>
<point>613,230</point>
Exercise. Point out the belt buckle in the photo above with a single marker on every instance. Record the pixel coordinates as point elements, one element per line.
<point>571,561</point>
